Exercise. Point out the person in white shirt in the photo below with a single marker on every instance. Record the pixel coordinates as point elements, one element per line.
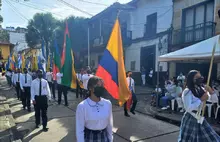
<point>8,76</point>
<point>131,86</point>
<point>25,84</point>
<point>181,78</point>
<point>40,93</point>
<point>94,121</point>
<point>78,88</point>
<point>151,73</point>
<point>156,92</point>
<point>195,128</point>
<point>16,82</point>
<point>61,89</point>
<point>85,79</point>
<point>49,78</point>
<point>143,75</point>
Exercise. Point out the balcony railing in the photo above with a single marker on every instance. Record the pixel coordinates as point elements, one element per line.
<point>193,33</point>
<point>101,40</point>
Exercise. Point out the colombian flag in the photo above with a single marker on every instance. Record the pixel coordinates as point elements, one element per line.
<point>111,67</point>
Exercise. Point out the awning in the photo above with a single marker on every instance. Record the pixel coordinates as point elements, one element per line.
<point>196,52</point>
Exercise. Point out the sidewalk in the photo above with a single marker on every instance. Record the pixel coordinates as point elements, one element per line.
<point>175,118</point>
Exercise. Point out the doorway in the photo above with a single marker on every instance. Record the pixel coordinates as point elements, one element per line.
<point>148,58</point>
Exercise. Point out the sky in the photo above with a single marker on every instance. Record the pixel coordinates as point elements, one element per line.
<point>18,12</point>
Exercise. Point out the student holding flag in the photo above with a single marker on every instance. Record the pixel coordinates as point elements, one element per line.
<point>49,78</point>
<point>131,86</point>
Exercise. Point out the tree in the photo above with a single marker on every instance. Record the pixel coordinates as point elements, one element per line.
<point>78,32</point>
<point>1,19</point>
<point>41,28</point>
<point>4,36</point>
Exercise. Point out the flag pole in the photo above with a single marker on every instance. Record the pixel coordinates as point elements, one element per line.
<point>209,76</point>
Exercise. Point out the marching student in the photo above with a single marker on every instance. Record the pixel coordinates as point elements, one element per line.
<point>131,86</point>
<point>85,79</point>
<point>40,93</point>
<point>194,128</point>
<point>61,89</point>
<point>25,84</point>
<point>16,82</point>
<point>94,121</point>
<point>49,78</point>
<point>78,88</point>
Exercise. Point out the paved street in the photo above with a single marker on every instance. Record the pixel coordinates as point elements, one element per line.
<point>62,124</point>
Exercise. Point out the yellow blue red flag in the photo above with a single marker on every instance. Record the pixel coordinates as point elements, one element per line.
<point>111,67</point>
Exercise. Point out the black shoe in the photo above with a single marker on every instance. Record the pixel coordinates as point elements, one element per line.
<point>127,115</point>
<point>66,105</point>
<point>24,108</point>
<point>37,126</point>
<point>132,112</point>
<point>29,110</point>
<point>45,129</point>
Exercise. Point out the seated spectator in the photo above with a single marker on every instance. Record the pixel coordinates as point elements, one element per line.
<point>171,93</point>
<point>178,98</point>
<point>154,95</point>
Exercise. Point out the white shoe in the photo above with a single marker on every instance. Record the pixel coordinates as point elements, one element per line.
<point>181,110</point>
<point>164,108</point>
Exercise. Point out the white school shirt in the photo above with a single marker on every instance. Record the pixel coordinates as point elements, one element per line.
<point>151,73</point>
<point>85,79</point>
<point>35,88</point>
<point>22,81</point>
<point>132,84</point>
<point>190,102</point>
<point>16,78</point>
<point>94,116</point>
<point>79,76</point>
<point>49,76</point>
<point>8,73</point>
<point>59,77</point>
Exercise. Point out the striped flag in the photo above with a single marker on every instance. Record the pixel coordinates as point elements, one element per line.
<point>111,67</point>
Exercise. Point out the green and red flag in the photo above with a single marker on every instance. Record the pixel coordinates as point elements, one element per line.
<point>69,78</point>
<point>56,60</point>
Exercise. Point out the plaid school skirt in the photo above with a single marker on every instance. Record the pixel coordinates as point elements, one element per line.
<point>96,135</point>
<point>191,131</point>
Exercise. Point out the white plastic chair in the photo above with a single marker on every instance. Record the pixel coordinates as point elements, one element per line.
<point>216,113</point>
<point>172,104</point>
<point>209,109</point>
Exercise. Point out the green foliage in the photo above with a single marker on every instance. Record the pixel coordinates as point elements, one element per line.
<point>77,29</point>
<point>1,19</point>
<point>4,36</point>
<point>46,27</point>
<point>41,27</point>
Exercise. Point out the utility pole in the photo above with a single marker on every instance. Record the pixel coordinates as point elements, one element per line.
<point>88,47</point>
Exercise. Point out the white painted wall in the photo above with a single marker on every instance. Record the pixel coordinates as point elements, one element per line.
<point>144,8</point>
<point>136,24</point>
<point>18,38</point>
<point>133,53</point>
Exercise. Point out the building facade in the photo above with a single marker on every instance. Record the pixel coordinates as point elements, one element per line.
<point>150,25</point>
<point>193,21</point>
<point>100,27</point>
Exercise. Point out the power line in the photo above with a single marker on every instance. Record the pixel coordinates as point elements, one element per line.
<point>75,8</point>
<point>31,6</point>
<point>96,3</point>
<point>16,10</point>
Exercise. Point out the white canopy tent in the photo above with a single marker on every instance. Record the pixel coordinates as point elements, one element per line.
<point>196,52</point>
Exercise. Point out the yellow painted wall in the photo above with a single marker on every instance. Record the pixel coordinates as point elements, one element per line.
<point>5,51</point>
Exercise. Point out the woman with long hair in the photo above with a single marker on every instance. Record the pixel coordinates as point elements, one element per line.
<point>193,128</point>
<point>94,120</point>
